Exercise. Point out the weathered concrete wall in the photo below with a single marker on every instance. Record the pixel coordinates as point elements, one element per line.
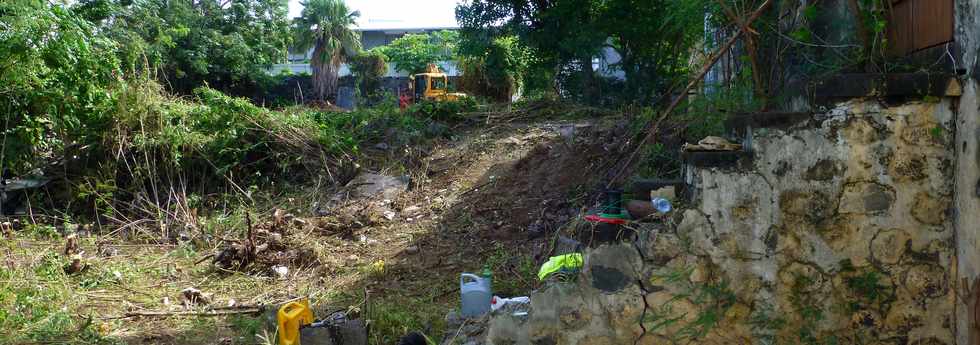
<point>967,215</point>
<point>840,227</point>
<point>838,231</point>
<point>967,204</point>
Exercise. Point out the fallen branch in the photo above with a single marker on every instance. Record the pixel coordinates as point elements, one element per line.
<point>248,310</point>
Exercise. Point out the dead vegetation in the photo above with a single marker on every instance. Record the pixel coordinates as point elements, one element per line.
<point>400,235</point>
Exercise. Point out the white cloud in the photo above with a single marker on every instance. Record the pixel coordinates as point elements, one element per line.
<point>398,14</point>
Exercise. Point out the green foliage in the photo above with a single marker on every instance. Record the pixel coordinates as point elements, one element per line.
<point>248,326</point>
<point>54,80</point>
<point>225,45</point>
<point>369,67</point>
<point>390,320</point>
<point>412,53</point>
<point>658,161</point>
<point>444,110</point>
<point>654,37</point>
<point>69,101</point>
<point>32,315</point>
<point>713,299</point>
<point>495,69</point>
<point>513,271</point>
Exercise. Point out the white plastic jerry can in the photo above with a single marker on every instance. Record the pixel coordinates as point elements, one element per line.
<point>475,294</point>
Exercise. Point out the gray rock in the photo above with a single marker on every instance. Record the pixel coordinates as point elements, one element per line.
<point>371,185</point>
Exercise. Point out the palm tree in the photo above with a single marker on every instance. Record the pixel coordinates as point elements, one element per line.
<point>327,26</point>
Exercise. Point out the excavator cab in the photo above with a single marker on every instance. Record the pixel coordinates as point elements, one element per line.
<point>432,86</point>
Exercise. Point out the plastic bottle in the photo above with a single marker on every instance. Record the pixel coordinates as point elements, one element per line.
<point>662,205</point>
<point>488,275</point>
<point>475,294</point>
<point>499,302</point>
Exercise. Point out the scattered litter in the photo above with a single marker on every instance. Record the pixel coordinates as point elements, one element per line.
<point>192,297</point>
<point>498,302</point>
<point>566,245</point>
<point>566,264</point>
<point>662,205</point>
<point>412,249</point>
<point>76,265</point>
<point>282,272</point>
<point>712,143</point>
<point>410,211</point>
<point>297,325</point>
<point>389,214</point>
<point>475,294</point>
<point>290,318</point>
<point>11,195</point>
<point>71,244</point>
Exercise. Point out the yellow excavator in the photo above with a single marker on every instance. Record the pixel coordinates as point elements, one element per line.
<point>433,85</point>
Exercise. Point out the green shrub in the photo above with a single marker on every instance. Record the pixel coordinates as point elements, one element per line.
<point>369,67</point>
<point>56,82</point>
<point>444,110</point>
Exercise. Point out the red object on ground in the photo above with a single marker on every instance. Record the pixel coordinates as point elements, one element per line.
<point>403,101</point>
<point>595,218</point>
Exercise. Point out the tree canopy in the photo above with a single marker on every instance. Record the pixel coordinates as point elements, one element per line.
<point>653,37</point>
<point>225,44</point>
<point>412,53</point>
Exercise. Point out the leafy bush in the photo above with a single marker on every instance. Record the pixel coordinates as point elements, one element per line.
<point>444,110</point>
<point>369,67</point>
<point>56,82</point>
<point>495,69</point>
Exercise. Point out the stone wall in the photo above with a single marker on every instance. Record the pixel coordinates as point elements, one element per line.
<point>837,230</point>
<point>840,226</point>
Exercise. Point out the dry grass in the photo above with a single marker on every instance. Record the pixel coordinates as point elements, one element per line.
<point>370,267</point>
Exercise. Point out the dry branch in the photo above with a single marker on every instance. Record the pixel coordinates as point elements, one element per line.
<point>690,85</point>
<point>244,310</point>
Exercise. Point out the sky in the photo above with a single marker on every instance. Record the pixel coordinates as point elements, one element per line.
<point>397,14</point>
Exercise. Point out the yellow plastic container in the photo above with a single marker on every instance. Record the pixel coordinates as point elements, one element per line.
<point>291,317</point>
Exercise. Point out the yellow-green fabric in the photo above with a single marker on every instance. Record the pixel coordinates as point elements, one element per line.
<point>568,262</point>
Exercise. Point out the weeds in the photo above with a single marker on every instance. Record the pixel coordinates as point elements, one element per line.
<point>390,320</point>
<point>711,301</point>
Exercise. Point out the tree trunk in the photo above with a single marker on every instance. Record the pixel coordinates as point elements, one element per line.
<point>318,64</point>
<point>325,70</point>
<point>588,81</point>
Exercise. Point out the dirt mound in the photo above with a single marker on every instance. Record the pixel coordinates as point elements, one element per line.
<point>539,192</point>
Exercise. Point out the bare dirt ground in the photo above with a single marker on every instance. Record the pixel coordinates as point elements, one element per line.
<point>494,195</point>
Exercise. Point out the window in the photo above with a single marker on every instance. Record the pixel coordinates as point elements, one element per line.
<point>919,24</point>
<point>438,83</point>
